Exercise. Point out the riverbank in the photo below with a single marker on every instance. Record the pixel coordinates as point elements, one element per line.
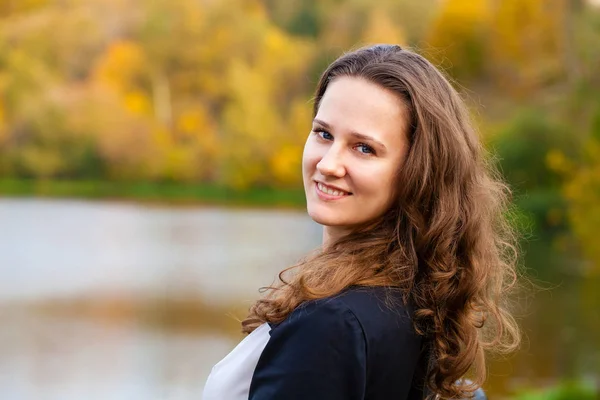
<point>154,192</point>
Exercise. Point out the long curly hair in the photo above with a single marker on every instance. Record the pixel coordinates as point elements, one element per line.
<point>447,241</point>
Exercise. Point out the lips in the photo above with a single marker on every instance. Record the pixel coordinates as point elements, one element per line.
<point>326,192</point>
<point>331,190</point>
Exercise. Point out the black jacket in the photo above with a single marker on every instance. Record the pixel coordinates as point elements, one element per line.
<point>358,345</point>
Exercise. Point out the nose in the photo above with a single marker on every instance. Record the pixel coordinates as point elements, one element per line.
<point>331,163</point>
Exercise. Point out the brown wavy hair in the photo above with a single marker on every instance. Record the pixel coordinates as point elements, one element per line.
<point>447,240</point>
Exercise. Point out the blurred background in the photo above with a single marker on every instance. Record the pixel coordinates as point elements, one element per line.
<point>150,176</point>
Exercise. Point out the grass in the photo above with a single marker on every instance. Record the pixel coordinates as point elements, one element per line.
<point>567,390</point>
<point>163,192</point>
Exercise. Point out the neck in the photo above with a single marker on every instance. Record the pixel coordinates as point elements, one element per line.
<point>332,234</point>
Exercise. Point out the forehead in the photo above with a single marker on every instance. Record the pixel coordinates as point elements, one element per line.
<point>355,104</point>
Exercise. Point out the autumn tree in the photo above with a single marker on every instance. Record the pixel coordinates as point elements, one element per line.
<point>458,37</point>
<point>261,122</point>
<point>527,43</point>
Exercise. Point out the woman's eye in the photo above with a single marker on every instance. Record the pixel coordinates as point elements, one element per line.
<point>365,149</point>
<point>325,135</point>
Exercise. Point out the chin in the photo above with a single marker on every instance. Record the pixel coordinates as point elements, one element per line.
<point>327,219</point>
<point>317,217</point>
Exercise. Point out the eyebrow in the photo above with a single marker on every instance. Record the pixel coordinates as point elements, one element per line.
<point>357,135</point>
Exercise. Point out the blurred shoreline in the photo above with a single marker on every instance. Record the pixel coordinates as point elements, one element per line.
<point>160,193</point>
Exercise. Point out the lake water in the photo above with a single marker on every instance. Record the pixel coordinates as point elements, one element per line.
<point>109,300</point>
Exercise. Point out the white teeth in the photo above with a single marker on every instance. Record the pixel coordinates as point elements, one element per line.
<point>330,191</point>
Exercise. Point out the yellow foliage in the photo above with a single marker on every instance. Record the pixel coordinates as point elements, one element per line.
<point>281,58</point>
<point>300,120</point>
<point>22,6</point>
<point>162,139</point>
<point>137,102</point>
<point>196,148</point>
<point>124,140</point>
<point>339,32</point>
<point>583,194</point>
<point>286,161</point>
<point>458,20</point>
<point>189,122</point>
<point>456,11</point>
<point>459,33</point>
<point>209,155</point>
<point>381,29</point>
<point>257,118</point>
<point>556,161</point>
<point>526,42</point>
<point>3,127</point>
<point>120,66</point>
<point>179,164</point>
<point>195,120</point>
<point>286,164</point>
<point>217,88</point>
<point>43,163</point>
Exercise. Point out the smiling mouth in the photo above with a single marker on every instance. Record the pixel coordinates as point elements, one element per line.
<point>329,191</point>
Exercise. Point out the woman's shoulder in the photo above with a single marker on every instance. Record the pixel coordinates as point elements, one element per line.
<point>376,303</point>
<point>380,312</point>
<point>367,328</point>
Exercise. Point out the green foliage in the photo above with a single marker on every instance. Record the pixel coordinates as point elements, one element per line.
<point>523,147</point>
<point>172,192</point>
<point>564,391</point>
<point>298,18</point>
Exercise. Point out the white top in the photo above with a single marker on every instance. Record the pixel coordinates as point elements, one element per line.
<point>230,378</point>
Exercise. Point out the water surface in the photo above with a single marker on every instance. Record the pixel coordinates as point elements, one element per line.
<point>109,300</point>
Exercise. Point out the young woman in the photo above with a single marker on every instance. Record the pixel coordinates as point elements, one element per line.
<point>408,289</point>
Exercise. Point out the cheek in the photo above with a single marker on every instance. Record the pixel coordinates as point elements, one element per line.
<point>376,183</point>
<point>310,157</point>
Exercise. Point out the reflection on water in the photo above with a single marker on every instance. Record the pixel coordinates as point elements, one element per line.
<point>561,339</point>
<point>107,300</point>
<point>56,358</point>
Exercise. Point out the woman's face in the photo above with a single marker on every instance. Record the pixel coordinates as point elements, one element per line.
<point>357,145</point>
